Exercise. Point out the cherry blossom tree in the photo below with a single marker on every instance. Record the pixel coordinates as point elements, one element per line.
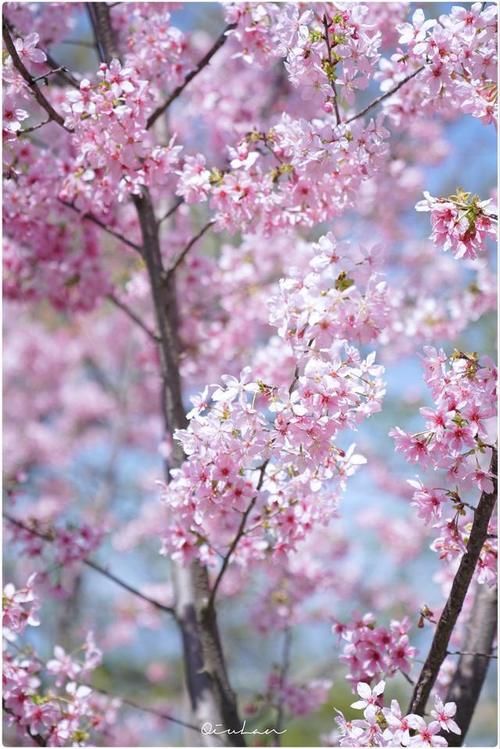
<point>215,268</point>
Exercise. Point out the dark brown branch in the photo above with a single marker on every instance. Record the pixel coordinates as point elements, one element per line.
<point>236,539</point>
<point>50,538</point>
<point>192,74</point>
<point>186,249</point>
<point>163,293</point>
<point>131,314</point>
<point>468,679</point>
<point>90,217</point>
<point>103,31</point>
<point>28,78</point>
<point>453,606</point>
<point>381,98</point>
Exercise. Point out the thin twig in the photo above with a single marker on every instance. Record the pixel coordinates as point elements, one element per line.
<point>131,314</point>
<point>408,678</point>
<point>145,709</point>
<point>33,86</point>
<point>171,211</point>
<point>466,652</point>
<point>52,71</point>
<point>386,95</point>
<point>192,74</point>
<point>236,539</point>
<point>332,82</point>
<point>90,217</point>
<point>50,538</point>
<point>62,71</point>
<point>186,249</point>
<point>31,129</point>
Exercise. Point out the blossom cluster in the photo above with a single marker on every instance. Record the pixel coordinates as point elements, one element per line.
<point>60,714</point>
<point>455,442</point>
<point>51,22</point>
<point>323,46</point>
<point>453,57</point>
<point>69,545</point>
<point>32,57</point>
<point>155,49</point>
<point>373,651</point>
<point>114,154</point>
<point>267,454</point>
<point>47,254</point>
<point>389,726</point>
<point>19,608</point>
<point>460,223</point>
<point>299,172</point>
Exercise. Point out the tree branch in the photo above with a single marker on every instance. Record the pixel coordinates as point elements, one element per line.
<point>381,98</point>
<point>111,695</point>
<point>467,682</point>
<point>192,74</point>
<point>150,710</point>
<point>236,539</point>
<point>31,129</point>
<point>186,249</point>
<point>131,314</point>
<point>473,653</point>
<point>171,211</point>
<point>28,78</point>
<point>93,565</point>
<point>97,221</point>
<point>100,20</point>
<point>332,82</point>
<point>453,606</point>
<point>61,71</point>
<point>208,685</point>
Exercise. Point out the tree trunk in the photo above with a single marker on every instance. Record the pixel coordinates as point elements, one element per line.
<point>467,682</point>
<point>211,696</point>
